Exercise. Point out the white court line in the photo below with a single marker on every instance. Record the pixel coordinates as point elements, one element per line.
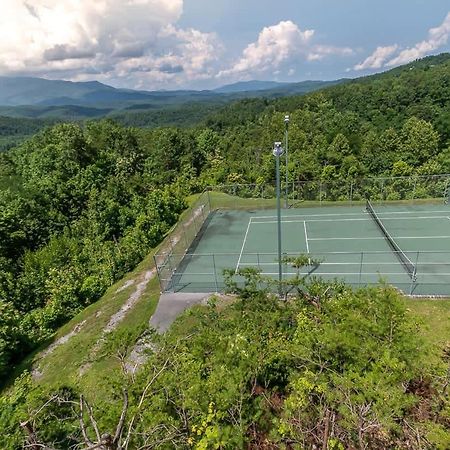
<point>196,273</point>
<point>352,220</point>
<point>344,273</point>
<point>363,211</point>
<point>306,237</point>
<point>421,275</point>
<point>351,264</point>
<point>243,245</point>
<point>376,238</point>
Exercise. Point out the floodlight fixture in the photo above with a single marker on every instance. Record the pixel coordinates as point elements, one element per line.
<point>277,149</point>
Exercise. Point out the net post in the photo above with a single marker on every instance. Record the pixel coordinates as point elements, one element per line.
<point>399,253</point>
<point>215,272</point>
<point>414,275</point>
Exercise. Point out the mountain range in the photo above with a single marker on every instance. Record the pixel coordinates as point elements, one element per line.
<point>42,98</point>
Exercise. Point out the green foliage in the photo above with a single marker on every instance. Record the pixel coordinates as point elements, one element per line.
<point>334,365</point>
<point>82,205</point>
<point>81,219</point>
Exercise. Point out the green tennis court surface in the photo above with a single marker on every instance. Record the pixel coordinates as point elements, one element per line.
<point>347,241</point>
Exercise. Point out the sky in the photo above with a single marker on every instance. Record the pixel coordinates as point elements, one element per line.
<point>202,44</point>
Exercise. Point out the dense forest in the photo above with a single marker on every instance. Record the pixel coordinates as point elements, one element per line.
<point>330,369</point>
<point>82,204</point>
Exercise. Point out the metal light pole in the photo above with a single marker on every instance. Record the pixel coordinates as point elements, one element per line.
<point>286,126</point>
<point>277,152</point>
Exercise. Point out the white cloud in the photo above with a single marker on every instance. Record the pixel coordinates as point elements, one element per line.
<point>437,37</point>
<point>134,42</point>
<point>318,52</point>
<point>280,44</point>
<point>378,58</point>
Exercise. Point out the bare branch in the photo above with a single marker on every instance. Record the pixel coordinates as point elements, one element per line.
<point>141,401</point>
<point>87,441</point>
<point>93,421</point>
<point>121,423</point>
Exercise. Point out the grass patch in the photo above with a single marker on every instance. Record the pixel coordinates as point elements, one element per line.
<point>436,319</point>
<point>121,339</point>
<point>228,201</point>
<point>64,361</point>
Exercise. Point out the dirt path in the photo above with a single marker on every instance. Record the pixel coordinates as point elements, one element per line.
<point>132,300</point>
<point>116,318</point>
<point>36,373</point>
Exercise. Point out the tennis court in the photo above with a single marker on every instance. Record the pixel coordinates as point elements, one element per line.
<point>407,246</point>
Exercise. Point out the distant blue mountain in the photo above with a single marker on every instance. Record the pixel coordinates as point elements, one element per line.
<point>16,91</point>
<point>38,97</point>
<point>247,86</point>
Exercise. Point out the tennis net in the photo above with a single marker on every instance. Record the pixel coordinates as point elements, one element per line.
<point>403,258</point>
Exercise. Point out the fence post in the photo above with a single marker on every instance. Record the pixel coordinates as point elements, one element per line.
<point>215,272</point>
<point>171,271</point>
<point>351,193</point>
<point>360,268</point>
<point>320,192</point>
<point>158,273</point>
<point>186,242</point>
<point>202,206</point>
<point>414,190</point>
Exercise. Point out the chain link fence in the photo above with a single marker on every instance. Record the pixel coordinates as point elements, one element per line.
<point>403,189</point>
<point>181,238</point>
<point>173,261</point>
<point>205,272</point>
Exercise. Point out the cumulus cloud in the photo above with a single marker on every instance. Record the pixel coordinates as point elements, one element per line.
<point>132,40</point>
<point>278,44</point>
<point>378,58</point>
<point>437,38</point>
<point>318,52</point>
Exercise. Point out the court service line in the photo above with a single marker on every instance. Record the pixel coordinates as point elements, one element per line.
<point>376,238</point>
<point>341,273</point>
<point>353,220</point>
<point>306,236</point>
<point>243,244</point>
<point>396,263</point>
<point>362,211</point>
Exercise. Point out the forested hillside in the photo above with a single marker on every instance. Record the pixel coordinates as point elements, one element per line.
<point>86,203</point>
<point>82,204</point>
<point>13,130</point>
<point>397,123</point>
<point>84,209</point>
